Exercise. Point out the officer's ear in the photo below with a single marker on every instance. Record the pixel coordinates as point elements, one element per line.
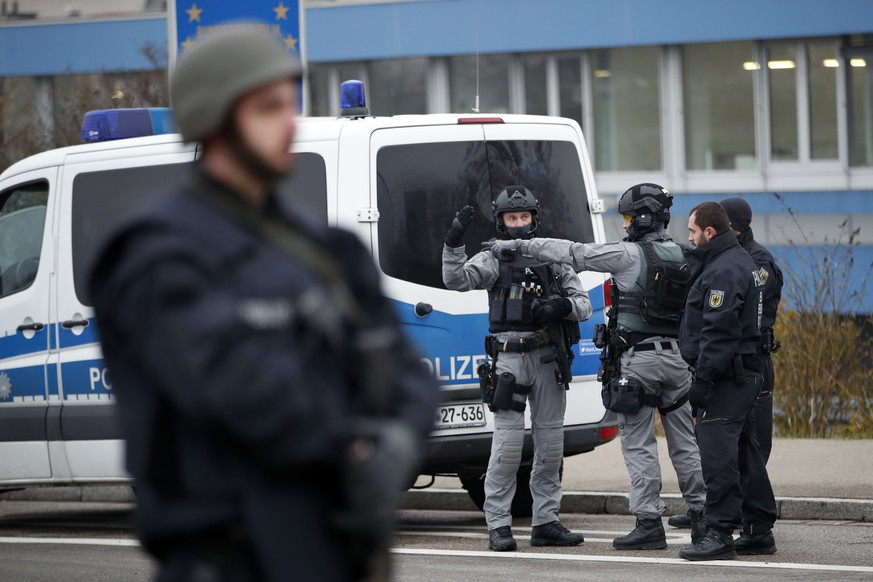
<point>709,232</point>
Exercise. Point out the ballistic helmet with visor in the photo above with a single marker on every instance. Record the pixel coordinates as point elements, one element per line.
<point>516,199</point>
<point>213,73</point>
<point>647,206</point>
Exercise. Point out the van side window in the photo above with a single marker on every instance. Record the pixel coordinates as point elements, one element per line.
<point>305,190</point>
<point>421,186</point>
<point>101,199</point>
<point>22,222</point>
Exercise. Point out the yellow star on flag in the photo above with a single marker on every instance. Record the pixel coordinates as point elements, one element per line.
<point>194,13</point>
<point>290,43</point>
<point>281,11</point>
<point>188,42</point>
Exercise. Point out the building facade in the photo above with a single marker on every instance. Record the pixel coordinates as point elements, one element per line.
<point>770,100</point>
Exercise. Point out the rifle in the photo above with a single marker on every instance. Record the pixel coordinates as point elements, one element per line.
<point>610,342</point>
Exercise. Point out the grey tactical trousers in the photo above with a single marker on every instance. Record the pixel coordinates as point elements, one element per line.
<point>661,372</point>
<point>547,402</point>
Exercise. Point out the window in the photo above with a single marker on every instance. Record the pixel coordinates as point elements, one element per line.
<point>492,87</point>
<point>417,202</point>
<point>823,101</point>
<point>570,88</point>
<point>305,189</point>
<point>860,82</point>
<point>719,106</point>
<point>626,104</point>
<point>397,87</point>
<point>781,66</point>
<point>22,221</point>
<point>320,91</point>
<point>101,199</point>
<point>535,87</point>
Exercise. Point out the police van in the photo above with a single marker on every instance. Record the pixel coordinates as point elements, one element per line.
<point>394,181</point>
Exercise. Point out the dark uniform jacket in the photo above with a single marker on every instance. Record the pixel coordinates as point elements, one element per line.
<point>238,380</point>
<point>722,312</point>
<point>771,277</point>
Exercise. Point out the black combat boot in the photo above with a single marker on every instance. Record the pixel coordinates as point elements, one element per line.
<point>698,526</point>
<point>680,521</point>
<point>749,544</point>
<point>647,535</point>
<point>500,539</point>
<point>554,534</point>
<point>715,545</point>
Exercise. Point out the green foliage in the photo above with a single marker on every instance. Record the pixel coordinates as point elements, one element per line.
<point>824,373</point>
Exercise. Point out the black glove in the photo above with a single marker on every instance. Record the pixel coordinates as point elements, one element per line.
<point>381,465</point>
<point>700,393</point>
<point>552,310</point>
<point>462,220</point>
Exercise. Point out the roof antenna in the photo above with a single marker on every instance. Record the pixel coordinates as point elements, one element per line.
<point>476,106</point>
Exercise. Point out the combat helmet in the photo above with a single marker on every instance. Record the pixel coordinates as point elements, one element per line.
<point>514,199</point>
<point>648,206</point>
<point>213,73</point>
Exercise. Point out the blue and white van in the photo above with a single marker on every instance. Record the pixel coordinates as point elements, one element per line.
<point>394,181</point>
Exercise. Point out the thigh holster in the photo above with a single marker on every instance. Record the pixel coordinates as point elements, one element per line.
<point>504,391</point>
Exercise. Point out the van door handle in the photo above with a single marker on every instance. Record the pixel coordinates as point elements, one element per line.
<point>422,309</point>
<point>71,323</point>
<point>31,327</point>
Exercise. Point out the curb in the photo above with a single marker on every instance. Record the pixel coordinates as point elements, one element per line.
<point>796,508</point>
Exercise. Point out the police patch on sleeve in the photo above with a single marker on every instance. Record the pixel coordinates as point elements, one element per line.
<point>716,298</point>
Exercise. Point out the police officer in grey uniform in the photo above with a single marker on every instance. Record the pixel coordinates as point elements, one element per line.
<point>652,373</point>
<point>524,298</point>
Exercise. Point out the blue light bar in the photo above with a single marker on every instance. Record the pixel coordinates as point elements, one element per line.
<point>108,124</point>
<point>353,103</point>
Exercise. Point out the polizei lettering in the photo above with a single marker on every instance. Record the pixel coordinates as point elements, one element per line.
<point>454,367</point>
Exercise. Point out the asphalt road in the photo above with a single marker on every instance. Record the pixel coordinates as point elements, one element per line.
<point>79,542</point>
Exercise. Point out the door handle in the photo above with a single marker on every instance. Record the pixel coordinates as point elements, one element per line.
<point>31,327</point>
<point>71,323</point>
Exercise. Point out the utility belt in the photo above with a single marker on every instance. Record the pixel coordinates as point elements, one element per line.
<point>768,344</point>
<point>740,364</point>
<point>493,345</point>
<point>653,346</point>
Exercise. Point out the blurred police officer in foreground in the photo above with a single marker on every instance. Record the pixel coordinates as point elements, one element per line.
<point>740,214</point>
<point>649,284</point>
<point>719,337</point>
<point>272,408</point>
<point>526,299</point>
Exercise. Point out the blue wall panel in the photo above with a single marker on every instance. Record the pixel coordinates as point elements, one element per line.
<point>81,47</point>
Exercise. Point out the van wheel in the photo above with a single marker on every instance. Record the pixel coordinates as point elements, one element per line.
<point>522,503</point>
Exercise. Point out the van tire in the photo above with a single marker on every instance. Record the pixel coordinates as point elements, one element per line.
<point>522,503</point>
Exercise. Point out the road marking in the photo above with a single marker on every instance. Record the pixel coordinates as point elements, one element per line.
<point>72,541</point>
<point>631,559</point>
<point>674,540</point>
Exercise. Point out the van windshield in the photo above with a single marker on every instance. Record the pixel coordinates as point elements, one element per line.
<point>421,186</point>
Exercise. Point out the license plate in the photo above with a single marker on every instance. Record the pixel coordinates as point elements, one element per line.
<point>460,415</point>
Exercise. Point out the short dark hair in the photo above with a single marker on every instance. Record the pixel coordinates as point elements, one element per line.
<point>711,214</point>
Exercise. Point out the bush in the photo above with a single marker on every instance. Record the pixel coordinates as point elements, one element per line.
<point>824,374</point>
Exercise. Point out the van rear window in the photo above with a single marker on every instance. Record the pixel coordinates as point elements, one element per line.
<point>421,186</point>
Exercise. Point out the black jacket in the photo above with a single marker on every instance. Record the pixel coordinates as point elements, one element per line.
<point>772,276</point>
<point>238,383</point>
<point>721,317</point>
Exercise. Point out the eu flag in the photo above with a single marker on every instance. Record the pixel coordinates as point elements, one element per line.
<point>194,18</point>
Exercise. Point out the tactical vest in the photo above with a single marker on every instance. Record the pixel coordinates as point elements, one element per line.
<point>655,305</point>
<point>521,284</point>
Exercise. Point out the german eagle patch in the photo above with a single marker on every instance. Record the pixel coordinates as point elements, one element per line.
<point>716,298</point>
